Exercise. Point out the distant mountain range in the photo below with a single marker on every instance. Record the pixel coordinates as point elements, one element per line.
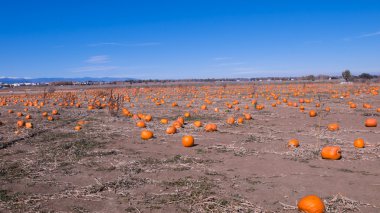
<point>47,80</point>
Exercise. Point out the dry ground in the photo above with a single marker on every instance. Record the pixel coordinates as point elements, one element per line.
<point>106,167</point>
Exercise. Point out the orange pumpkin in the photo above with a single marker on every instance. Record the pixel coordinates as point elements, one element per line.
<point>231,120</point>
<point>77,127</point>
<point>54,112</point>
<point>197,123</point>
<point>171,130</point>
<point>247,116</point>
<point>311,204</point>
<point>28,125</point>
<point>331,152</point>
<point>359,143</point>
<point>211,127</point>
<point>20,123</point>
<point>333,127</point>
<point>312,113</point>
<point>140,124</point>
<point>147,118</point>
<point>187,115</point>
<point>240,120</point>
<point>293,143</point>
<point>164,121</point>
<point>371,122</point>
<point>146,134</point>
<point>177,124</point>
<point>188,141</point>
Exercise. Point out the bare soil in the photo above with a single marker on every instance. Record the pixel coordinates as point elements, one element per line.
<point>248,167</point>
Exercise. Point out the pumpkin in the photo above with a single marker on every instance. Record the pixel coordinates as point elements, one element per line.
<point>81,122</point>
<point>293,143</point>
<point>181,120</point>
<point>231,120</point>
<point>312,113</point>
<point>352,105</point>
<point>367,106</point>
<point>359,143</point>
<point>371,122</point>
<point>140,124</point>
<point>247,116</point>
<point>171,130</point>
<point>164,121</point>
<point>44,114</point>
<point>50,118</point>
<point>188,141</point>
<point>333,127</point>
<point>211,127</point>
<point>28,125</point>
<point>311,204</point>
<point>197,123</point>
<point>187,115</point>
<point>147,118</point>
<point>10,111</point>
<point>240,120</point>
<point>146,134</point>
<point>20,123</point>
<point>54,112</point>
<point>28,117</point>
<point>77,127</point>
<point>177,124</point>
<point>331,152</point>
<point>327,109</point>
<point>19,114</point>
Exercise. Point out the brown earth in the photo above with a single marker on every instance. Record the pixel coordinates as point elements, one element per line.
<point>248,167</point>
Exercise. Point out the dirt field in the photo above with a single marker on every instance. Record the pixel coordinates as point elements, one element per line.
<point>107,167</point>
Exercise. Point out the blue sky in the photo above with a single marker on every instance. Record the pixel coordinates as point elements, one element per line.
<point>188,38</point>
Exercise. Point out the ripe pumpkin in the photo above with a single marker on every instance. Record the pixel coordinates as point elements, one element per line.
<point>371,122</point>
<point>187,115</point>
<point>28,125</point>
<point>77,127</point>
<point>211,127</point>
<point>177,124</point>
<point>164,121</point>
<point>20,123</point>
<point>293,143</point>
<point>311,204</point>
<point>44,114</point>
<point>331,152</point>
<point>181,120</point>
<point>171,130</point>
<point>28,117</point>
<point>312,113</point>
<point>240,120</point>
<point>140,124</point>
<point>188,141</point>
<point>333,127</point>
<point>50,118</point>
<point>81,122</point>
<point>54,112</point>
<point>247,116</point>
<point>147,118</point>
<point>359,143</point>
<point>231,120</point>
<point>146,134</point>
<point>197,123</point>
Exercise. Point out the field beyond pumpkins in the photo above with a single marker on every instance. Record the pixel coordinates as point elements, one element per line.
<point>81,149</point>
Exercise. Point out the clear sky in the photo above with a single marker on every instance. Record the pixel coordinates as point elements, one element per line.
<point>188,38</point>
